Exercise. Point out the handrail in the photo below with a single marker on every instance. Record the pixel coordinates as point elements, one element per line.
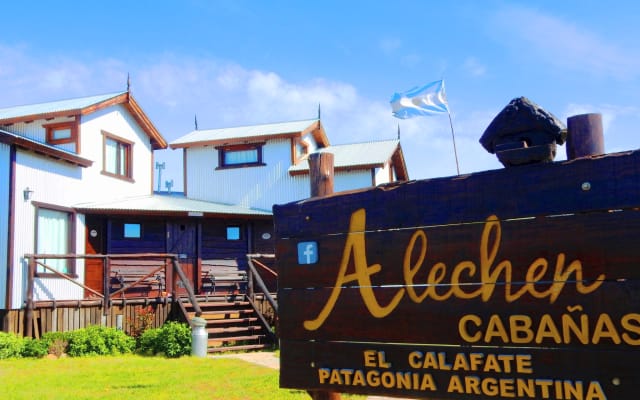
<point>187,286</point>
<point>106,297</point>
<point>60,274</point>
<point>256,275</point>
<point>264,267</point>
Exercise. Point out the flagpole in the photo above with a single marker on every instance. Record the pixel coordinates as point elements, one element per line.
<point>453,136</point>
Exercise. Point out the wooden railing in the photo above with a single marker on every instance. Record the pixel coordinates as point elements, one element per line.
<point>254,276</point>
<point>170,266</point>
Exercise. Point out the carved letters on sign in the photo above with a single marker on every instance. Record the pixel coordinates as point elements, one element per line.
<point>438,288</point>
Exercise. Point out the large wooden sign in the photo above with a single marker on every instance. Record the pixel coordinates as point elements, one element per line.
<point>517,283</point>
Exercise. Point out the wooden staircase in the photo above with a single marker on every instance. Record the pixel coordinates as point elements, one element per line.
<point>232,324</point>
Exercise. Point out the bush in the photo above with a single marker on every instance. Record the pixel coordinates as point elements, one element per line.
<point>173,340</point>
<point>148,342</point>
<point>97,340</point>
<point>57,342</point>
<point>10,345</point>
<point>36,348</point>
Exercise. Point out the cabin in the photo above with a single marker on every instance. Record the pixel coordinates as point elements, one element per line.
<point>53,156</point>
<point>86,240</point>
<point>270,162</point>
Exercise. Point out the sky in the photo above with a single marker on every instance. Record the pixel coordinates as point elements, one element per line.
<point>240,62</point>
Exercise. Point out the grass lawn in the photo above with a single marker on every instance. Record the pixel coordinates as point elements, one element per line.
<point>134,377</point>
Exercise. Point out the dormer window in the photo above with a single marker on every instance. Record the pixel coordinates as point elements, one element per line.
<point>300,150</point>
<point>247,155</point>
<point>62,133</point>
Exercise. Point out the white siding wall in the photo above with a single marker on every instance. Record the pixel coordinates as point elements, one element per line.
<point>382,174</point>
<point>96,187</point>
<point>257,187</point>
<point>5,176</point>
<point>261,187</point>
<point>35,131</point>
<point>63,184</point>
<point>356,179</point>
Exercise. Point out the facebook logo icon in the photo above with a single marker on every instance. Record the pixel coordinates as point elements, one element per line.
<point>307,252</point>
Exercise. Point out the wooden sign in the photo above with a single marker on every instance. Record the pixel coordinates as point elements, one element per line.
<point>517,283</point>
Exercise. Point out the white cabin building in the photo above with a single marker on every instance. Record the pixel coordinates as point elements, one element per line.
<point>262,165</point>
<point>55,155</point>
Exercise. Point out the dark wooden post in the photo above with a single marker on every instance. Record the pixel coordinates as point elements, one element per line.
<point>321,180</point>
<point>29,306</point>
<point>584,136</point>
<point>321,174</point>
<point>106,281</point>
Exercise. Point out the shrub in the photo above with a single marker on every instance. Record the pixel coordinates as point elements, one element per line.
<point>173,340</point>
<point>97,340</point>
<point>10,345</point>
<point>57,342</point>
<point>148,342</point>
<point>36,348</point>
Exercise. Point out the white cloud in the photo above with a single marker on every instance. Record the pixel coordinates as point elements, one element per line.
<point>562,43</point>
<point>173,89</point>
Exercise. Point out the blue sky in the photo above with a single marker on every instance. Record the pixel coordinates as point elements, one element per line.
<point>249,62</point>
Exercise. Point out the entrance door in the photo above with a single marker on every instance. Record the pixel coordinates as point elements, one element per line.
<point>182,240</point>
<point>94,244</point>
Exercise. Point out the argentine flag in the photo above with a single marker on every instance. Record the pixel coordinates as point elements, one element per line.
<point>420,101</point>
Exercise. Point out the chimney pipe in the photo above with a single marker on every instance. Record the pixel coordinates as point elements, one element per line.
<point>584,137</point>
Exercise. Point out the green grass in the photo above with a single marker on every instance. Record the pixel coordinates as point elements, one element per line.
<point>134,377</point>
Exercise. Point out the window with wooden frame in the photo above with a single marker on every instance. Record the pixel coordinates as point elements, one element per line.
<point>62,133</point>
<point>55,228</point>
<point>300,150</point>
<point>237,156</point>
<point>117,157</point>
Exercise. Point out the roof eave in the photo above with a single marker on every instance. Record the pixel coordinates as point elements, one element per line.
<point>157,141</point>
<point>45,150</point>
<point>399,164</point>
<point>233,141</point>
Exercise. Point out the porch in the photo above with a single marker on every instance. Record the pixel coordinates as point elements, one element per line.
<point>240,309</point>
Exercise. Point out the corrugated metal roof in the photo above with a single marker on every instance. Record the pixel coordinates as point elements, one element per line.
<point>356,154</point>
<point>241,132</point>
<point>54,106</point>
<point>169,204</point>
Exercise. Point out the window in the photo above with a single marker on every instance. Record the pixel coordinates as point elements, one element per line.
<point>300,150</point>
<point>61,133</point>
<point>233,232</point>
<point>54,234</point>
<point>240,156</point>
<point>117,157</point>
<point>132,231</point>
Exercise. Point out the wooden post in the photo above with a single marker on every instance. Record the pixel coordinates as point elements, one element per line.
<point>321,174</point>
<point>585,137</point>
<point>29,306</point>
<point>106,280</point>
<point>321,180</point>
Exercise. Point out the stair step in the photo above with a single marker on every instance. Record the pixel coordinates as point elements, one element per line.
<point>236,348</point>
<point>210,313</point>
<point>225,321</point>
<point>232,329</point>
<point>218,304</point>
<point>214,342</point>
